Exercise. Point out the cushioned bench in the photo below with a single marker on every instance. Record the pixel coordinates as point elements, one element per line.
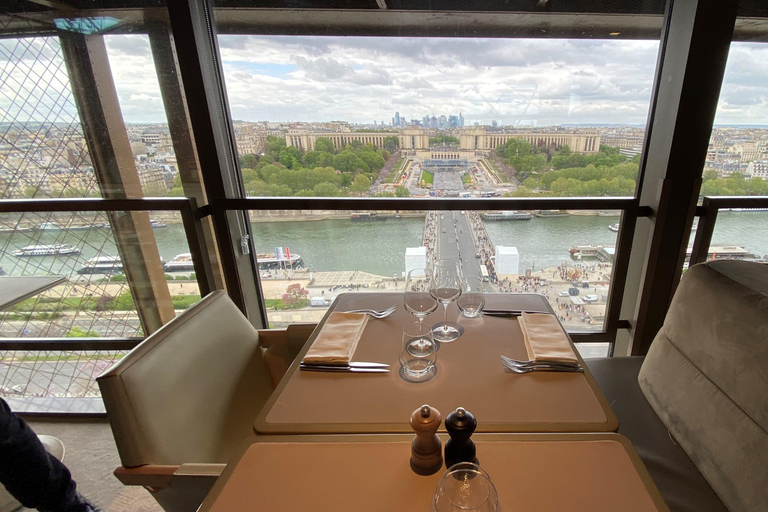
<point>696,407</point>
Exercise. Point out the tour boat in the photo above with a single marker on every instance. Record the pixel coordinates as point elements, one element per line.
<point>47,250</point>
<point>102,265</point>
<point>552,213</point>
<point>269,261</point>
<point>157,224</point>
<point>614,227</point>
<point>180,263</point>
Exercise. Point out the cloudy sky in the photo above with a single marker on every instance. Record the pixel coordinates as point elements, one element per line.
<point>364,79</point>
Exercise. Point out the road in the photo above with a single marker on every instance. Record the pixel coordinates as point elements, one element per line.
<point>455,239</point>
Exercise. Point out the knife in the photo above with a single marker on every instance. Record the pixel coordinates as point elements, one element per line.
<point>341,369</point>
<point>351,364</point>
<point>509,312</point>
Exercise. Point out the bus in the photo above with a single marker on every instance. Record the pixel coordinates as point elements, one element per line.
<point>484,272</point>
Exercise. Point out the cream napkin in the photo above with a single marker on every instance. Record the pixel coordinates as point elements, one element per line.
<point>545,339</point>
<point>337,340</point>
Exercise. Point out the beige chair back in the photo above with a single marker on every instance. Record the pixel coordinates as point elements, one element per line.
<point>705,376</point>
<point>188,393</point>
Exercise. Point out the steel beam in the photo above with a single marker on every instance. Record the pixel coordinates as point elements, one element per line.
<point>194,30</point>
<point>180,127</point>
<point>692,57</point>
<point>110,151</point>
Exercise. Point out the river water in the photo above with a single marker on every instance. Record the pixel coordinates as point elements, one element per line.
<point>375,247</point>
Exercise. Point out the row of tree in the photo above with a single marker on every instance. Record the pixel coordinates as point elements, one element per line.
<point>735,185</point>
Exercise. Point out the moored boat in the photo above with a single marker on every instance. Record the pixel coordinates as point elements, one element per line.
<point>180,263</point>
<point>47,250</point>
<point>102,265</point>
<point>552,213</point>
<point>507,215</point>
<point>614,227</point>
<point>270,261</point>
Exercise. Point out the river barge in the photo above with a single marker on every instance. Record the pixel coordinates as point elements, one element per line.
<point>180,263</point>
<point>369,216</point>
<point>507,215</point>
<point>552,213</point>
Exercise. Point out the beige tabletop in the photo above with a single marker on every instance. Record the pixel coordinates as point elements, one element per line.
<point>531,472</point>
<point>470,375</point>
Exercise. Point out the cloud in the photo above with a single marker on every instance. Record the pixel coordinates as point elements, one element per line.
<point>362,79</point>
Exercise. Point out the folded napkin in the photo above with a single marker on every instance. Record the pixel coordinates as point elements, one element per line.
<point>545,339</point>
<point>337,340</point>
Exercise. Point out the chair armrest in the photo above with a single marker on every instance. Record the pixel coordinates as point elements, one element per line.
<point>272,337</point>
<point>158,477</point>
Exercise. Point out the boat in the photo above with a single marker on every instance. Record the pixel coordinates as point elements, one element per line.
<point>47,250</point>
<point>269,261</point>
<point>552,213</point>
<point>507,215</point>
<point>49,226</point>
<point>157,224</point>
<point>755,210</point>
<point>614,227</point>
<point>180,263</point>
<point>52,226</point>
<point>102,265</point>
<point>589,251</point>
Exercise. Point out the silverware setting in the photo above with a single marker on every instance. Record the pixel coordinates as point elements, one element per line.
<point>531,366</point>
<point>353,367</point>
<point>374,313</point>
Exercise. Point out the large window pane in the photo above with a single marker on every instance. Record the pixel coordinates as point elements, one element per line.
<point>516,117</point>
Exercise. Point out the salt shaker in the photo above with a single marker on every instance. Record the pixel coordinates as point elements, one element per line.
<point>460,425</point>
<point>426,447</point>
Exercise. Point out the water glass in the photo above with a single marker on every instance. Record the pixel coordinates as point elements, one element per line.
<point>418,354</point>
<point>465,486</point>
<point>472,298</point>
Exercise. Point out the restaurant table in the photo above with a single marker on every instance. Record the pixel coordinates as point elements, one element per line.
<point>531,472</point>
<point>15,289</point>
<point>469,374</point>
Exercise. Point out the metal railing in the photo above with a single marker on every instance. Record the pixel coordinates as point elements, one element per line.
<point>630,207</point>
<point>189,212</point>
<point>707,214</point>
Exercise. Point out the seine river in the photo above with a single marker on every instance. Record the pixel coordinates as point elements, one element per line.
<point>376,247</point>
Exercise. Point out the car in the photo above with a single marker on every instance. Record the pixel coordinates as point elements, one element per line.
<point>477,255</point>
<point>562,294</point>
<point>590,298</point>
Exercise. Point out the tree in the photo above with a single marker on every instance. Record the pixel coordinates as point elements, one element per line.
<point>324,144</point>
<point>391,143</point>
<point>294,295</point>
<point>402,192</point>
<point>711,174</point>
<point>314,159</point>
<point>373,159</point>
<point>356,145</point>
<point>249,160</point>
<point>347,161</point>
<point>361,184</point>
<point>326,190</point>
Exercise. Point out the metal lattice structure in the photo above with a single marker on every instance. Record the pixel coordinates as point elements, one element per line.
<point>43,155</point>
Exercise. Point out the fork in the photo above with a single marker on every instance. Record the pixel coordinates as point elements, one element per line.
<point>529,369</point>
<point>527,364</point>
<point>374,313</point>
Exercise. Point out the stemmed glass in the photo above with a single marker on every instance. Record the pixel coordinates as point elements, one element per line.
<point>464,487</point>
<point>445,287</point>
<point>418,300</point>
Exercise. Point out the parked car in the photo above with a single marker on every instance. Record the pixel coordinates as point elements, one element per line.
<point>562,294</point>
<point>590,298</point>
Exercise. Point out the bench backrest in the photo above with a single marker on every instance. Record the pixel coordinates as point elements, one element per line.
<point>706,376</point>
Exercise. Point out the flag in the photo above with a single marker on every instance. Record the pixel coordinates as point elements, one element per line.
<point>287,253</point>
<point>279,253</point>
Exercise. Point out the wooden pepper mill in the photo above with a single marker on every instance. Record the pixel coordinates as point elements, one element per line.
<point>460,425</point>
<point>426,447</point>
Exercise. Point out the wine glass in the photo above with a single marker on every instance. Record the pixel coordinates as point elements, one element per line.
<point>472,298</point>
<point>465,486</point>
<point>445,287</point>
<point>418,301</point>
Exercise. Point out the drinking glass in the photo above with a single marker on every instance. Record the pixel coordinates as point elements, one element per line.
<point>472,299</point>
<point>465,486</point>
<point>418,301</point>
<point>419,352</point>
<point>446,287</point>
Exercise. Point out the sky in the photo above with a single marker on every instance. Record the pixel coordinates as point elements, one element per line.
<point>517,82</point>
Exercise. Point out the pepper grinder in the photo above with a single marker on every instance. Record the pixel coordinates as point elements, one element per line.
<point>426,447</point>
<point>460,425</point>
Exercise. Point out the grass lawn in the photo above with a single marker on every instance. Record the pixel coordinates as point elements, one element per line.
<point>427,177</point>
